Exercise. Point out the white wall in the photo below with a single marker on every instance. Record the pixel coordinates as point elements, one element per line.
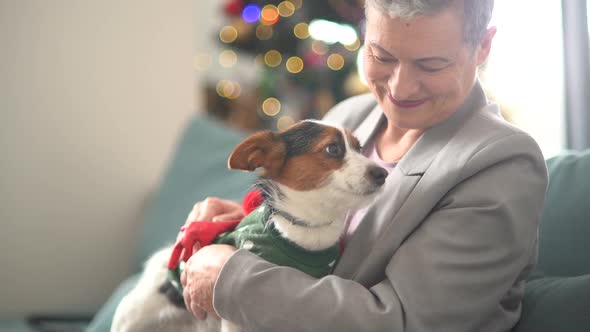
<point>93,95</point>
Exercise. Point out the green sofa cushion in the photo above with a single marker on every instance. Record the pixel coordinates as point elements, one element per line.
<point>565,226</point>
<point>556,305</point>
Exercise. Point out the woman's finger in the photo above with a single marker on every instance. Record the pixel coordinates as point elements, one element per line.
<point>236,215</point>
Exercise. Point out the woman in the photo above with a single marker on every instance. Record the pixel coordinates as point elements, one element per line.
<point>449,243</point>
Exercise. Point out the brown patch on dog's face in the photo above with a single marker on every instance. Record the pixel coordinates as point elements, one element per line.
<point>314,151</point>
<point>302,157</point>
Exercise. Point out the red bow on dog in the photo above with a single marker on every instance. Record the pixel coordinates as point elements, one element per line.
<point>204,232</point>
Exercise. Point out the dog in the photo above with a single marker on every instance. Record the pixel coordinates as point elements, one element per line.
<point>312,174</point>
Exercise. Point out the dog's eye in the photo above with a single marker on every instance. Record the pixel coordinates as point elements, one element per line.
<point>334,150</point>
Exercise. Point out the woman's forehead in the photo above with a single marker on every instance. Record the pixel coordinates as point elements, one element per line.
<point>437,35</point>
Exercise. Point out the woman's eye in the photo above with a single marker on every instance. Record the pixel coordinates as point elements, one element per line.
<point>433,67</point>
<point>334,150</point>
<point>383,60</point>
<point>431,70</point>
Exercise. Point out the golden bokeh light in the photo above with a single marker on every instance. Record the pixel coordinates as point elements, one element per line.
<point>228,58</point>
<point>269,15</point>
<point>297,3</point>
<point>301,30</point>
<point>294,64</point>
<point>271,106</point>
<point>335,61</point>
<point>232,90</point>
<point>285,122</point>
<point>354,46</point>
<point>286,8</point>
<point>228,89</point>
<point>219,88</point>
<point>319,47</point>
<point>228,34</point>
<point>273,58</point>
<point>264,32</point>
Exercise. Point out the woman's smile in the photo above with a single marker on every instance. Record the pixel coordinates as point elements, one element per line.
<point>408,103</point>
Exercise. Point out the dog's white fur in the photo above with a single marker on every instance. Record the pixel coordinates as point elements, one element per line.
<point>146,309</point>
<point>323,209</point>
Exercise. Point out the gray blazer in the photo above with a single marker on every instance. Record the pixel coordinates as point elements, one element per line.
<point>446,247</point>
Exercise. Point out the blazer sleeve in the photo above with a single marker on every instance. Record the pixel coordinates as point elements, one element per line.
<point>453,273</point>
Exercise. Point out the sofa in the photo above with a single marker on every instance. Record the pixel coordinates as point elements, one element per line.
<point>558,293</point>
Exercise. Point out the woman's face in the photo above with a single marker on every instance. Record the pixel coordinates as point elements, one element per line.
<point>420,70</point>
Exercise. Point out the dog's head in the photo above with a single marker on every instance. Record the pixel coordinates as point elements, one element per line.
<point>311,157</point>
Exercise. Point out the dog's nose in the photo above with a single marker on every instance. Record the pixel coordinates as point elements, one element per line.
<point>377,175</point>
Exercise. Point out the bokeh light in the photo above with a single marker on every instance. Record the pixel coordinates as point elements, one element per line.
<point>251,13</point>
<point>233,90</point>
<point>297,3</point>
<point>294,64</point>
<point>228,89</point>
<point>273,58</point>
<point>319,47</point>
<point>286,8</point>
<point>332,32</point>
<point>264,32</point>
<point>335,61</point>
<point>354,46</point>
<point>271,106</point>
<point>228,34</point>
<point>269,15</point>
<point>285,122</point>
<point>228,58</point>
<point>301,30</point>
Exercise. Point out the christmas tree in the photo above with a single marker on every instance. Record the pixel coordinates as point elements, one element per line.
<point>304,53</point>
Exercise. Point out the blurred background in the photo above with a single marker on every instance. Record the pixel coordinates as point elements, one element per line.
<point>94,95</point>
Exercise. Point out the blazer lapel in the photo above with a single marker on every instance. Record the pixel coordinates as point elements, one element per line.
<point>399,185</point>
<point>397,188</point>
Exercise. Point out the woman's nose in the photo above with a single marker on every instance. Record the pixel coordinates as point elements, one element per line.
<point>402,83</point>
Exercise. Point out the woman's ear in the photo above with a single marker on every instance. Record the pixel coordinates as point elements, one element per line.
<point>263,149</point>
<point>485,46</point>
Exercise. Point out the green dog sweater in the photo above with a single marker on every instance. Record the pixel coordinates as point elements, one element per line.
<point>256,234</point>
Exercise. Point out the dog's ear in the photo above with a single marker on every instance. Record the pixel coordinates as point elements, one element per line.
<point>263,149</point>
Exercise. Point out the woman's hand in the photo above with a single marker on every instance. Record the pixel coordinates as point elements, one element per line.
<point>199,276</point>
<point>215,209</point>
<point>200,290</point>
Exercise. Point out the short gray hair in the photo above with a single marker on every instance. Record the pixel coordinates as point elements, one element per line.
<point>477,13</point>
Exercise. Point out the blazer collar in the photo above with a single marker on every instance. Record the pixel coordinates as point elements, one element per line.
<point>420,156</point>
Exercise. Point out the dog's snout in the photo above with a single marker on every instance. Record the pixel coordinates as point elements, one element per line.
<point>377,175</point>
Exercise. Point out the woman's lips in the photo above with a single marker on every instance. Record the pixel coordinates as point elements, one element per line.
<point>406,103</point>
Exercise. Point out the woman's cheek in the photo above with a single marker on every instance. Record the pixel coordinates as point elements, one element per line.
<point>373,72</point>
